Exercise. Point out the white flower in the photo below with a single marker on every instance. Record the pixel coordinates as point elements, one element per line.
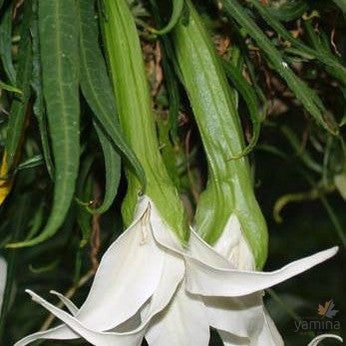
<point>3,275</point>
<point>320,338</point>
<point>150,285</point>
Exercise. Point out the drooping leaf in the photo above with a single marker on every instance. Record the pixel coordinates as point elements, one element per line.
<point>112,168</point>
<point>84,195</point>
<point>288,10</point>
<point>324,56</point>
<point>36,83</point>
<point>11,88</point>
<point>18,111</point>
<point>60,70</point>
<point>250,98</point>
<point>177,9</point>
<point>16,229</point>
<point>97,90</point>
<point>6,43</point>
<point>303,93</point>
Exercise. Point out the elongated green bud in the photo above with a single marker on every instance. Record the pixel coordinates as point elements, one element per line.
<point>136,119</point>
<point>229,189</point>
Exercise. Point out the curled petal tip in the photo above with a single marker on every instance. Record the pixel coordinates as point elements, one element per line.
<point>321,337</point>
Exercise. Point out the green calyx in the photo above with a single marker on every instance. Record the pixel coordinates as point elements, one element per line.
<point>229,189</point>
<point>136,119</point>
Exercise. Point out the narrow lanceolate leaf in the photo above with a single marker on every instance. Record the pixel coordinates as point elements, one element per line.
<point>60,70</point>
<point>112,167</point>
<point>98,92</point>
<point>229,188</point>
<point>11,88</point>
<point>249,95</point>
<point>177,9</point>
<point>320,53</point>
<point>84,195</point>
<point>5,44</point>
<point>36,83</point>
<point>15,127</point>
<point>303,93</point>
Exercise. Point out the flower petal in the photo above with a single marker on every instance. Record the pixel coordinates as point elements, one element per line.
<point>198,249</point>
<point>233,245</point>
<point>172,275</point>
<point>182,323</point>
<point>319,338</point>
<point>94,337</point>
<point>233,340</point>
<point>127,277</point>
<point>162,233</point>
<point>3,275</point>
<point>240,316</point>
<point>268,335</point>
<point>67,302</point>
<point>210,281</point>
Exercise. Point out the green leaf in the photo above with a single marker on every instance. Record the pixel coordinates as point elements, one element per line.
<point>341,4</point>
<point>36,83</point>
<point>113,170</point>
<point>15,229</point>
<point>250,98</point>
<point>302,153</point>
<point>60,70</point>
<point>84,192</point>
<point>177,10</point>
<point>331,63</point>
<point>97,90</point>
<point>303,93</point>
<point>170,79</point>
<point>11,88</point>
<point>15,127</point>
<point>288,10</point>
<point>6,44</point>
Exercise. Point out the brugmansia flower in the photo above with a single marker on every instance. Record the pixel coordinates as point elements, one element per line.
<point>149,285</point>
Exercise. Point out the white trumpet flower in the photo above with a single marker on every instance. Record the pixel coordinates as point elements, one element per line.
<point>149,285</point>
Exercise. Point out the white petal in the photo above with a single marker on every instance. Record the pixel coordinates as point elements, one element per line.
<point>210,281</point>
<point>241,316</point>
<point>3,276</point>
<point>127,277</point>
<point>319,338</point>
<point>162,233</point>
<point>233,340</point>
<point>268,335</point>
<point>183,323</point>
<point>233,245</point>
<point>198,249</point>
<point>172,275</point>
<point>94,337</point>
<point>67,302</point>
